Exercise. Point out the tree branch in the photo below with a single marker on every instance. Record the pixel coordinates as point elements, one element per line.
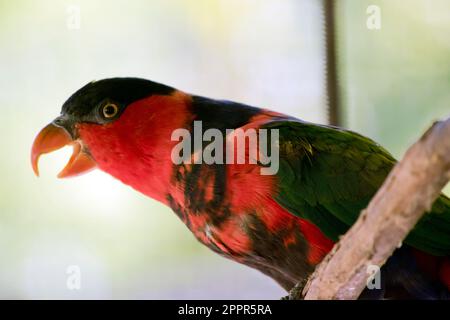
<point>408,192</point>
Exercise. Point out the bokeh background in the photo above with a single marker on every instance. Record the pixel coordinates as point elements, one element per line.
<point>394,82</point>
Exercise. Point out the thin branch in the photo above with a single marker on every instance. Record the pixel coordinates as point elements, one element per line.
<point>408,192</point>
<point>331,66</point>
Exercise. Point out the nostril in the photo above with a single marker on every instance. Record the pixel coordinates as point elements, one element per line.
<point>58,121</point>
<point>67,124</point>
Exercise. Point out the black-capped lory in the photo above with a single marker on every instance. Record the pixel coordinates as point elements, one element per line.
<point>281,221</point>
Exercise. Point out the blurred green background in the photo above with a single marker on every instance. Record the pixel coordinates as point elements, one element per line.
<point>395,81</point>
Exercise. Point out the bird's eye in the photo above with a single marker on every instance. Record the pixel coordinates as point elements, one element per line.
<point>110,110</point>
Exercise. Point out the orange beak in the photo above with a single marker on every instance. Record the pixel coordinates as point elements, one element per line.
<point>52,138</point>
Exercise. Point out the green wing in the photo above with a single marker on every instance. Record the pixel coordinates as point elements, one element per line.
<point>328,175</point>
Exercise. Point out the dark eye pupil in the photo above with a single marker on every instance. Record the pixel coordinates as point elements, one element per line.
<point>110,110</point>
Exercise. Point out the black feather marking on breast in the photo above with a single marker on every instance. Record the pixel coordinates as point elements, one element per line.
<point>214,114</point>
<point>287,264</point>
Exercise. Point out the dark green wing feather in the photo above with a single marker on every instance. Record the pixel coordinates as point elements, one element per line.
<point>328,175</point>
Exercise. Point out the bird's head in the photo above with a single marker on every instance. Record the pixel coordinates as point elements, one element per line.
<point>112,122</point>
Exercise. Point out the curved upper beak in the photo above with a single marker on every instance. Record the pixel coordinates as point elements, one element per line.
<point>52,138</point>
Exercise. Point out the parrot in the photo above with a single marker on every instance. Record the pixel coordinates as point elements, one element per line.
<point>282,224</point>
